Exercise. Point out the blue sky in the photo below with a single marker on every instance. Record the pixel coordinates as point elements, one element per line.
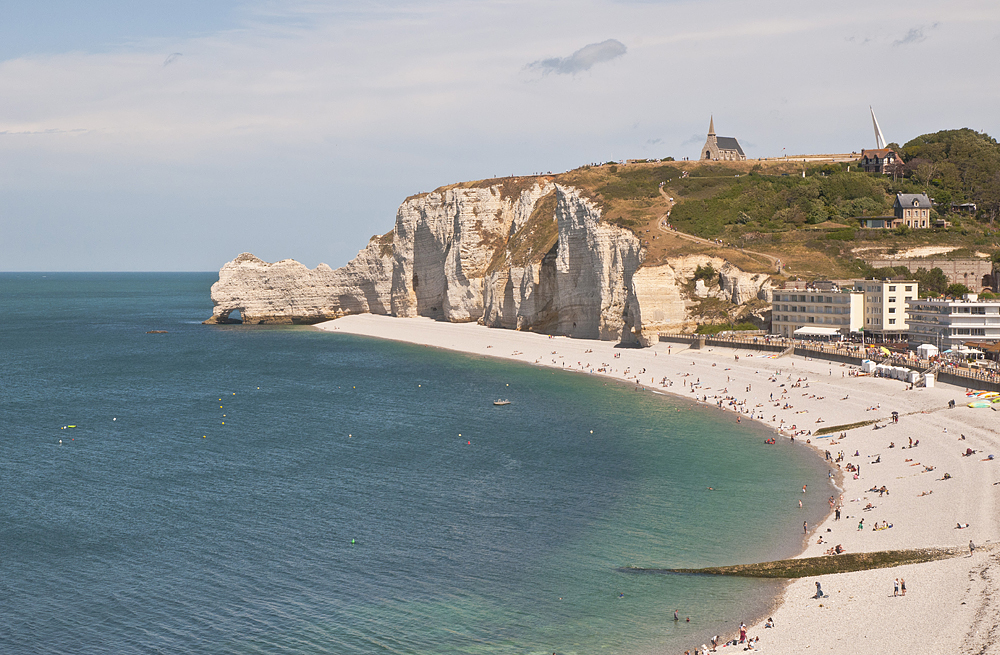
<point>173,136</point>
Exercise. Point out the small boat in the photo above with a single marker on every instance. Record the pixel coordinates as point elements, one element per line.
<point>501,402</point>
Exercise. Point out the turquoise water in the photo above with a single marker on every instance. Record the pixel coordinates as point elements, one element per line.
<point>335,504</point>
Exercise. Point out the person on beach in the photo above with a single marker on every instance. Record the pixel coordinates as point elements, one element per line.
<point>972,547</point>
<point>861,525</point>
<point>902,586</point>
<point>819,590</point>
<point>895,587</point>
<point>676,618</point>
<point>743,632</point>
<point>805,527</point>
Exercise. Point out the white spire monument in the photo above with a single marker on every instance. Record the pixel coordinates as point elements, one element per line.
<point>879,138</point>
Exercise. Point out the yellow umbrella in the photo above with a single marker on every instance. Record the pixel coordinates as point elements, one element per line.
<point>885,350</point>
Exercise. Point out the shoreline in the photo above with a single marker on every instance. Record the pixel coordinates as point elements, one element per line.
<point>922,506</point>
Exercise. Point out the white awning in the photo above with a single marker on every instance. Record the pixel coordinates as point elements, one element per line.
<point>810,331</point>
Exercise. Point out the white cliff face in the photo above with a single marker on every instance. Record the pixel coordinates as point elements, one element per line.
<point>594,267</point>
<point>527,257</point>
<point>443,243</point>
<point>580,286</point>
<point>288,292</point>
<point>661,305</point>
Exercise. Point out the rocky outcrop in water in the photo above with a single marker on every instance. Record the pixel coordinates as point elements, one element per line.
<point>522,254</point>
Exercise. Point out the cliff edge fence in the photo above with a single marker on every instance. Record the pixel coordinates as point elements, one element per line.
<point>520,253</point>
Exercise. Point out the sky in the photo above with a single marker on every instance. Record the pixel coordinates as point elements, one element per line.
<point>174,136</point>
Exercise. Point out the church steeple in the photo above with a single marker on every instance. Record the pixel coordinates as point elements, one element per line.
<point>711,126</point>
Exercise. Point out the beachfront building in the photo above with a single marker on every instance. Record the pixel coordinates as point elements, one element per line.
<point>885,306</point>
<point>948,324</point>
<point>824,307</point>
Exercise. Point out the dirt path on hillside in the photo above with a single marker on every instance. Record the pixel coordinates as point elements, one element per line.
<point>664,220</point>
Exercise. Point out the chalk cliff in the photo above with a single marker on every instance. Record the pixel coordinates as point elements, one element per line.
<point>523,253</point>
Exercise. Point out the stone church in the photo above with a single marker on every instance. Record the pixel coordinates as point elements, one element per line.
<point>721,148</point>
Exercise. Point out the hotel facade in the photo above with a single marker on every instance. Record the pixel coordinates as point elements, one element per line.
<point>950,323</point>
<point>877,307</point>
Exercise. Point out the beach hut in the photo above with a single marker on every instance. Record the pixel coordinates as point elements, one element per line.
<point>927,350</point>
<point>928,380</point>
<point>867,366</point>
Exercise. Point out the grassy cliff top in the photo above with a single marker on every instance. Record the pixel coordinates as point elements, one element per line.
<point>804,212</point>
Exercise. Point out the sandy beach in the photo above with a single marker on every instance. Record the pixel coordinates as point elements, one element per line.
<point>949,605</point>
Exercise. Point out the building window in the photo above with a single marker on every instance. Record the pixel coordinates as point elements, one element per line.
<point>909,288</point>
<point>892,288</point>
<point>892,321</point>
<point>892,299</point>
<point>892,310</point>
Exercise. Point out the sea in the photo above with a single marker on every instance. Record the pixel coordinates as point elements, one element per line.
<point>279,489</point>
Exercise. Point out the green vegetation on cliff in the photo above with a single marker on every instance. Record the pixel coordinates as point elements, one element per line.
<point>807,215</point>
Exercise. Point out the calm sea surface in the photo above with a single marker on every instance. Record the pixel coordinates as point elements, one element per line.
<point>236,489</point>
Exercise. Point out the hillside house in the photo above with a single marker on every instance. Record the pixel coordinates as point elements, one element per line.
<point>913,209</point>
<point>878,160</point>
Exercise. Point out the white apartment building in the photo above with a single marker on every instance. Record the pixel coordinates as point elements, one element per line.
<point>950,323</point>
<point>885,305</point>
<point>836,308</point>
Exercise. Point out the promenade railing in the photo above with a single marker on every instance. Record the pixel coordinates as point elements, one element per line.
<point>853,351</point>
